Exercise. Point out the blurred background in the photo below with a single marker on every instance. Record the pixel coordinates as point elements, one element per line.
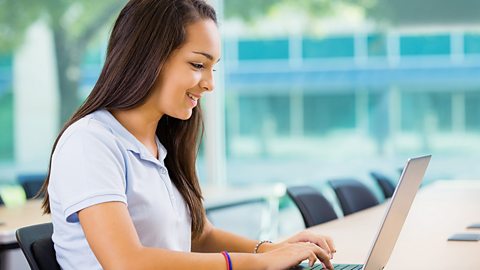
<point>308,90</point>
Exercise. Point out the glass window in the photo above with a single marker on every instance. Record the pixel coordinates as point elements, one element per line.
<point>472,111</point>
<point>330,47</point>
<point>377,45</point>
<point>472,43</point>
<point>326,113</point>
<point>425,45</point>
<point>263,49</point>
<point>6,109</point>
<point>420,109</point>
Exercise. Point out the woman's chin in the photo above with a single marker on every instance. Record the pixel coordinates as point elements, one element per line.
<point>183,116</point>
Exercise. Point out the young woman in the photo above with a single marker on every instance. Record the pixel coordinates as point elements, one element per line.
<point>122,187</point>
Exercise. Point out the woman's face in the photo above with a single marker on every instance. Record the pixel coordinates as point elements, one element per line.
<point>188,72</point>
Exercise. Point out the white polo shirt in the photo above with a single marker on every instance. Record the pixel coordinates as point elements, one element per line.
<point>97,160</point>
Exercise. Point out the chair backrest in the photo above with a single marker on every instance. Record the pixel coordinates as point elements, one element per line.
<point>353,195</point>
<point>31,183</point>
<point>37,246</point>
<point>313,206</point>
<point>385,184</point>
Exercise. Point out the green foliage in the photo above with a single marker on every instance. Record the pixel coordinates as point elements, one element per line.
<point>250,10</point>
<point>411,12</point>
<point>396,12</point>
<point>15,17</point>
<point>78,16</point>
<point>74,23</point>
<point>247,10</point>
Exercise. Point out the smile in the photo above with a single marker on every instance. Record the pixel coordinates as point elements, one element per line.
<point>193,97</point>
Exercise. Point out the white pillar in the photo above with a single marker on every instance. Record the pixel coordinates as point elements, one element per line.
<point>295,50</point>
<point>35,94</point>
<point>393,49</point>
<point>457,53</point>
<point>361,48</point>
<point>361,111</point>
<point>458,112</point>
<point>215,121</point>
<point>296,112</point>
<point>394,117</point>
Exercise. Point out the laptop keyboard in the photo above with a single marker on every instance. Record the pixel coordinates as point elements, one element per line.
<point>347,267</point>
<point>335,267</point>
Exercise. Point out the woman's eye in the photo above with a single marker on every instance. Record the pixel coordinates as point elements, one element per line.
<point>197,65</point>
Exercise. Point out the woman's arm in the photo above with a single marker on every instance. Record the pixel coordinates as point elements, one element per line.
<point>114,241</point>
<point>216,240</point>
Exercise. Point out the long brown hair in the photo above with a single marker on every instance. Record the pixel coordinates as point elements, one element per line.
<point>144,35</point>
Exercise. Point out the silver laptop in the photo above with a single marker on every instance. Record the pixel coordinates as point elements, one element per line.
<point>394,218</point>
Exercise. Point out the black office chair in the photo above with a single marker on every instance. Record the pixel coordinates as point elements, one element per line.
<point>37,246</point>
<point>313,206</point>
<point>385,184</point>
<point>352,195</point>
<point>31,183</point>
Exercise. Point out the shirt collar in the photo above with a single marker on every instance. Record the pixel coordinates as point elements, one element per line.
<point>130,142</point>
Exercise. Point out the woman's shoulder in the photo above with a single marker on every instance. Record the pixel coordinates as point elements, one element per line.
<point>89,128</point>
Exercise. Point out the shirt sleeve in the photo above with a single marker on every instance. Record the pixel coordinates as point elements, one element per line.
<point>87,168</point>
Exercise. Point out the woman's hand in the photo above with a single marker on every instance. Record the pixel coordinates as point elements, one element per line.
<point>287,255</point>
<point>325,242</point>
<point>308,238</point>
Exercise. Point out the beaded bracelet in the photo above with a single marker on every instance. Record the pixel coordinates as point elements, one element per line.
<point>255,251</point>
<point>227,260</point>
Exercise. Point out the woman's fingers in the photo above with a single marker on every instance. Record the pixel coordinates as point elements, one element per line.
<point>322,241</point>
<point>290,255</point>
<point>320,253</point>
<point>327,244</point>
<point>330,243</point>
<point>312,259</point>
<point>324,245</point>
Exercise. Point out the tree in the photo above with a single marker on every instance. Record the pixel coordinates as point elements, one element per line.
<point>396,12</point>
<point>249,10</point>
<point>414,12</point>
<point>74,24</point>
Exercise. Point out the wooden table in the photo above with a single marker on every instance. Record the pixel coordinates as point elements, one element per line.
<point>439,210</point>
<point>12,218</point>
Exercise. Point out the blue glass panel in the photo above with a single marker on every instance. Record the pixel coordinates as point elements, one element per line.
<point>417,106</point>
<point>325,113</point>
<point>256,111</point>
<point>472,111</point>
<point>329,47</point>
<point>472,43</point>
<point>263,49</point>
<point>425,45</point>
<point>5,73</point>
<point>93,57</point>
<point>6,126</point>
<point>5,60</point>
<point>377,45</point>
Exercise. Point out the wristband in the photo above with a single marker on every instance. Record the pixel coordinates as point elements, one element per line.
<point>227,260</point>
<point>255,251</point>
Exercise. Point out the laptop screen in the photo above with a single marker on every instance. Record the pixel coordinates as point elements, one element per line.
<point>397,212</point>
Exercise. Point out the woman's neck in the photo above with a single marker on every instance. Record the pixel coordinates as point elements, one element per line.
<point>142,124</point>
